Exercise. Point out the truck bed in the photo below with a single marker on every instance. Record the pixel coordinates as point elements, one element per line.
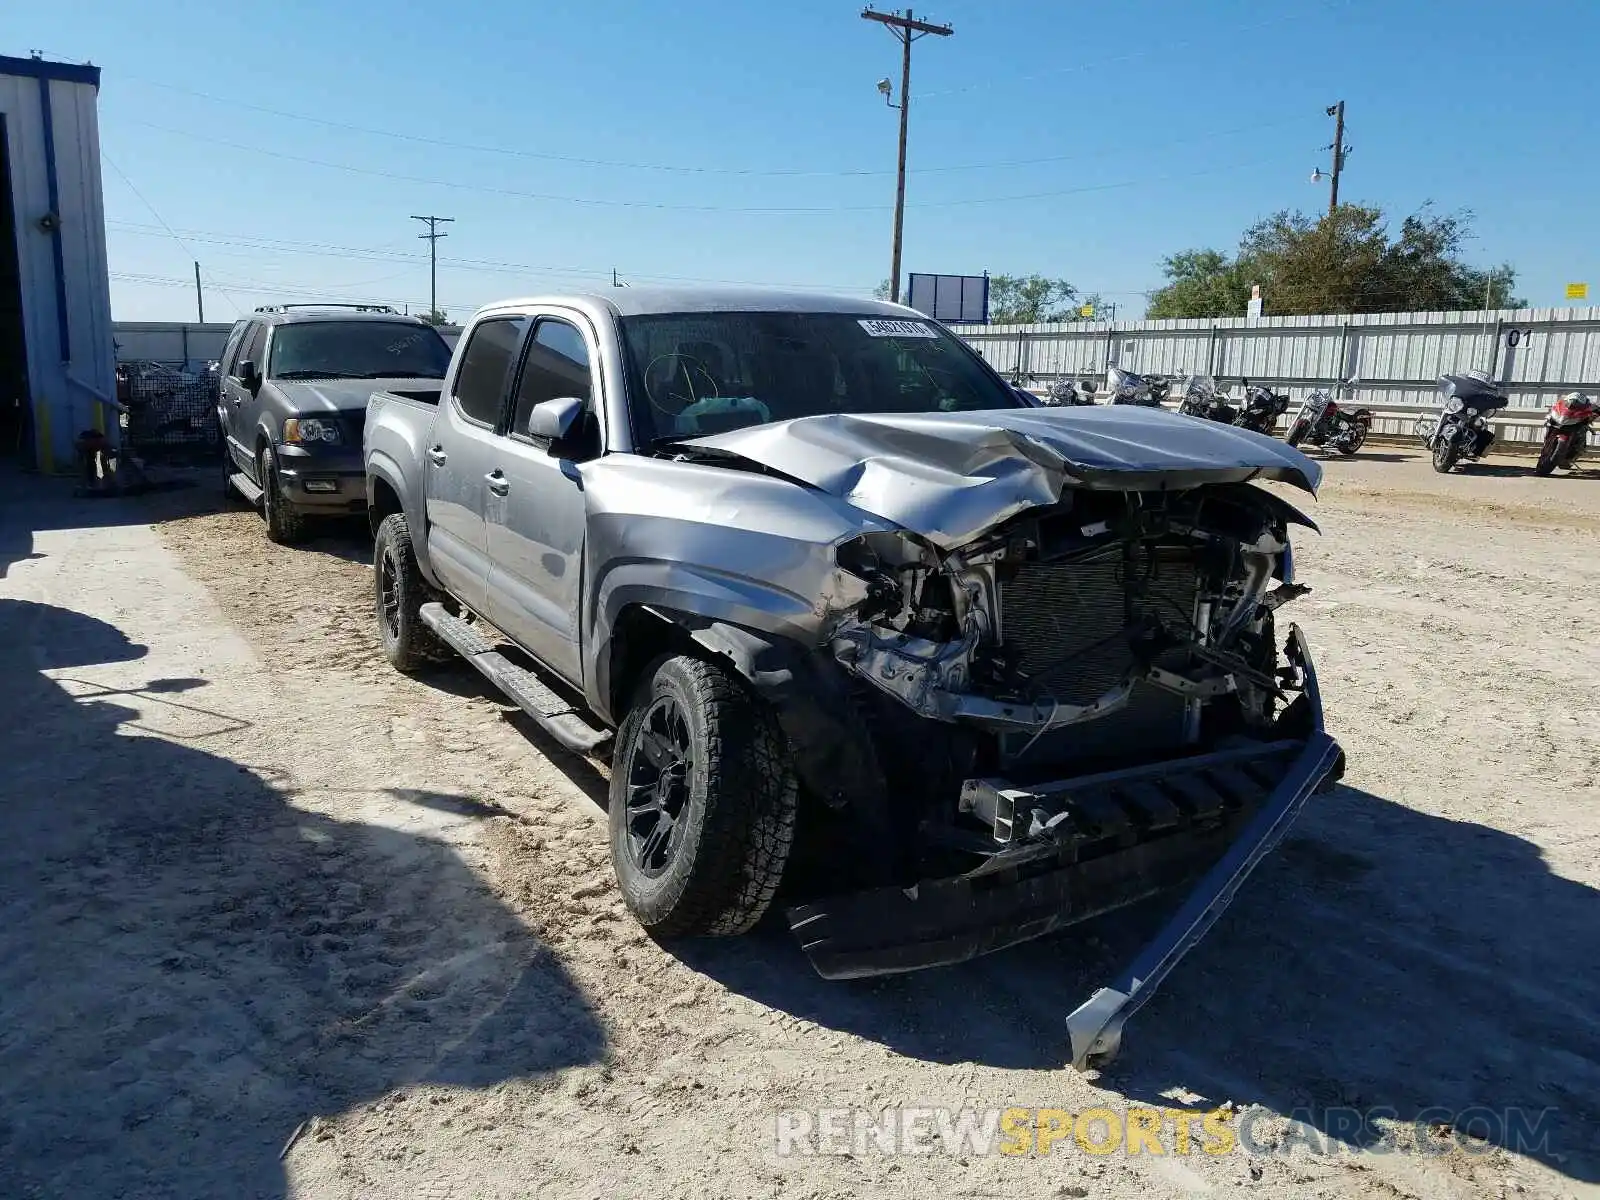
<point>428,396</point>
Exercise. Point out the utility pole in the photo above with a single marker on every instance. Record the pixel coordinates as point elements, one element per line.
<point>433,235</point>
<point>906,30</point>
<point>1336,111</point>
<point>199,296</point>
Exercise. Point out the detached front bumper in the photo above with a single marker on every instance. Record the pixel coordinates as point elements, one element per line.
<point>1115,838</point>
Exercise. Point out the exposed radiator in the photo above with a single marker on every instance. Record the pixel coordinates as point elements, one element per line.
<point>1064,623</point>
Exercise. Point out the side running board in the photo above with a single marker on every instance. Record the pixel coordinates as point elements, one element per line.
<point>558,717</point>
<point>246,487</point>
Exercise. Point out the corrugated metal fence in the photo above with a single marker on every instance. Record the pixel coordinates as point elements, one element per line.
<point>1396,358</point>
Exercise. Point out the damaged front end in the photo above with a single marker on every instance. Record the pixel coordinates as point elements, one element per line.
<point>1083,706</point>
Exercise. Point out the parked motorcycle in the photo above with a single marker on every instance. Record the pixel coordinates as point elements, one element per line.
<point>1262,407</point>
<point>1127,388</point>
<point>1067,393</point>
<point>1566,432</point>
<point>1461,430</point>
<point>1321,422</point>
<point>1160,388</point>
<point>1202,399</point>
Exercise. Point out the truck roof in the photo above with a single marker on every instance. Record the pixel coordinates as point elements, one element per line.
<point>643,301</point>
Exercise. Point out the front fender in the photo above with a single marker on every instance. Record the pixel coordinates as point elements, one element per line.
<point>688,590</point>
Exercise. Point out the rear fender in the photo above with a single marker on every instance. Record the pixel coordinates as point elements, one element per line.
<point>383,469</point>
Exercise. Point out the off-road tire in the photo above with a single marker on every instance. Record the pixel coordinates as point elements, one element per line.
<point>737,823</point>
<point>1296,434</point>
<point>1445,455</point>
<point>408,643</point>
<point>1547,453</point>
<point>285,525</point>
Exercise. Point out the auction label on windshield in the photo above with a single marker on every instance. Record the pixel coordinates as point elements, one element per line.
<point>888,328</point>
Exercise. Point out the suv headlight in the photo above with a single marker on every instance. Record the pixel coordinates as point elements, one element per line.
<point>311,429</point>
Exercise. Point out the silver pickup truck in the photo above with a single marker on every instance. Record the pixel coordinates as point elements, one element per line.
<point>803,562</point>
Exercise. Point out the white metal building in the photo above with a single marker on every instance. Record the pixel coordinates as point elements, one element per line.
<point>57,367</point>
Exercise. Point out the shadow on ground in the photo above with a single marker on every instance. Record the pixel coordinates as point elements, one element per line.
<point>1383,958</point>
<point>1496,470</point>
<point>190,967</point>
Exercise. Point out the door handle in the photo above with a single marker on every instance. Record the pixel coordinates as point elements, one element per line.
<point>437,456</point>
<point>498,483</point>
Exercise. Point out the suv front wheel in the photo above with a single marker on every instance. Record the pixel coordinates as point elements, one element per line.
<point>285,524</point>
<point>703,802</point>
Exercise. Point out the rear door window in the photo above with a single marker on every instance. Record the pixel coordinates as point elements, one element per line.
<point>231,351</point>
<point>480,383</point>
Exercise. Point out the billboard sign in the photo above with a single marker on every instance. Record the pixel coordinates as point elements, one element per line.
<point>953,299</point>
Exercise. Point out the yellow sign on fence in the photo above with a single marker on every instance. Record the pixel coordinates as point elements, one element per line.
<point>1086,311</point>
<point>1577,291</point>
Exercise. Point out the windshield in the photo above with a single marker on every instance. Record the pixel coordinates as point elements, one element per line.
<point>693,374</point>
<point>357,350</point>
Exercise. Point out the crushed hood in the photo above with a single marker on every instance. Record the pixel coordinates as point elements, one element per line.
<point>312,396</point>
<point>950,476</point>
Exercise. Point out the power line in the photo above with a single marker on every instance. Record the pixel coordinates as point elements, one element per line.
<point>433,235</point>
<point>510,152</point>
<point>707,208</point>
<point>106,158</point>
<point>489,266</point>
<point>1099,64</point>
<point>685,169</point>
<point>602,202</point>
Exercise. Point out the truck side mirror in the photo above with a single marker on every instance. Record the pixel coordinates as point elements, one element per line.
<point>249,374</point>
<point>552,421</point>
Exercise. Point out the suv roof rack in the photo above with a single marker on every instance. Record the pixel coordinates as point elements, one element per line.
<point>372,308</point>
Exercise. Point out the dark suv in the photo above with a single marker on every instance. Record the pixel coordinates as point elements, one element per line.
<point>293,398</point>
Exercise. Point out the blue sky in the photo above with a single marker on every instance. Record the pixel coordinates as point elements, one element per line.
<point>1081,141</point>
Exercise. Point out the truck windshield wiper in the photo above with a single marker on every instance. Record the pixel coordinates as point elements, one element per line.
<point>393,375</point>
<point>314,375</point>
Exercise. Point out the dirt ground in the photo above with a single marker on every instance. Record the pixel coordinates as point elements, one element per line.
<point>279,921</point>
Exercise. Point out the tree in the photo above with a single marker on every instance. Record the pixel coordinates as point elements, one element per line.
<point>881,292</point>
<point>436,317</point>
<point>1200,283</point>
<point>1029,299</point>
<point>1424,264</point>
<point>1344,261</point>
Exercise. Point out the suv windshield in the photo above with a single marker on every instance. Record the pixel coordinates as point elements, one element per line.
<point>704,373</point>
<point>357,350</point>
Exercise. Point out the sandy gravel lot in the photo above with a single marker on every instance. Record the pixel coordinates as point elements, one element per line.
<point>254,883</point>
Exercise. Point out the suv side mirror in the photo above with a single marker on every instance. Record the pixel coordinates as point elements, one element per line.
<point>552,421</point>
<point>248,374</point>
